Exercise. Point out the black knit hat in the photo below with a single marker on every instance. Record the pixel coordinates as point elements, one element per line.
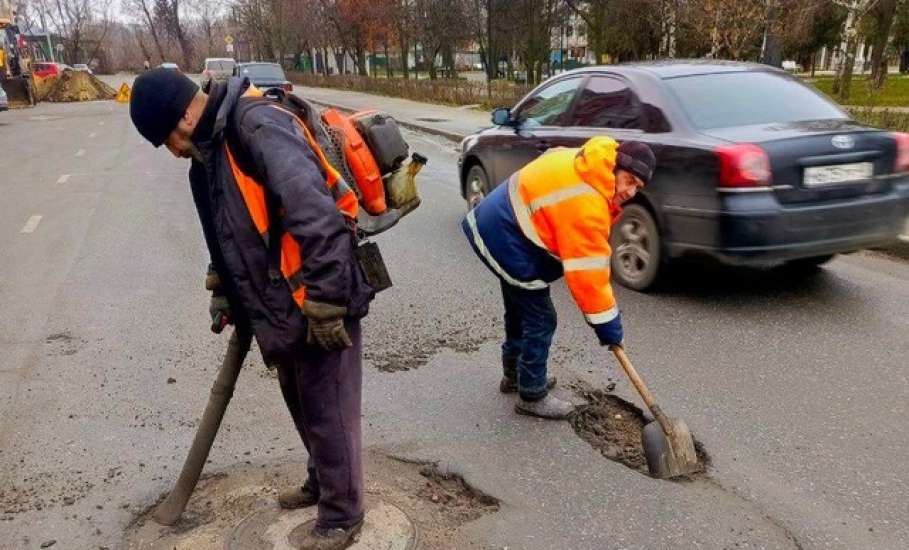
<point>637,158</point>
<point>158,101</point>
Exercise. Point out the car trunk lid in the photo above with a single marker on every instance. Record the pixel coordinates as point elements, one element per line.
<point>822,160</point>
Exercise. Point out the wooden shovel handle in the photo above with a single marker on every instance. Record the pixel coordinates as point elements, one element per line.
<point>639,385</point>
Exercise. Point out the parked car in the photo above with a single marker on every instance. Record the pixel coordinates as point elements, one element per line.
<point>45,69</point>
<point>753,166</point>
<point>264,75</point>
<point>82,67</point>
<point>4,101</point>
<point>217,69</point>
<point>169,65</point>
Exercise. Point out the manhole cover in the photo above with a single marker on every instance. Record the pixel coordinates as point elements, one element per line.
<point>387,527</point>
<point>429,119</point>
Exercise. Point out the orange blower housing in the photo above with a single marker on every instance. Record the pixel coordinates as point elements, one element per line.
<point>360,161</point>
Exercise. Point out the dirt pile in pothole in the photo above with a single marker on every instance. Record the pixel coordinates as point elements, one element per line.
<point>614,426</point>
<point>449,490</point>
<point>79,86</point>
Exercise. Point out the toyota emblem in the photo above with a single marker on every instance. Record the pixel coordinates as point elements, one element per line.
<point>843,142</point>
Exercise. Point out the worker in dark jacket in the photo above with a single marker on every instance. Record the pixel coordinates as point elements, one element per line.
<point>264,192</point>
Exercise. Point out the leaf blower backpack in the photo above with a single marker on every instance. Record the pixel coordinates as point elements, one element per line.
<point>370,152</point>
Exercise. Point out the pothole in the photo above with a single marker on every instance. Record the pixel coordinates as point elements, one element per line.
<point>614,426</point>
<point>408,506</point>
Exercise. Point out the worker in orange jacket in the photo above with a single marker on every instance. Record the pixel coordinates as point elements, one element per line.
<point>553,218</point>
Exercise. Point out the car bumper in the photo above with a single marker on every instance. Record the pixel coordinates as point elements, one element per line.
<point>4,106</point>
<point>754,228</point>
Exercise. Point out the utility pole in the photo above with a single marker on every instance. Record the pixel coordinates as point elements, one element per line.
<point>50,47</point>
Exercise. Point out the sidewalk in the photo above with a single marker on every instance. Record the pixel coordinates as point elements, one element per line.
<point>453,123</point>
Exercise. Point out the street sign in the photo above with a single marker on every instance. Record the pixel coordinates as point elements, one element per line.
<point>229,40</point>
<point>230,48</point>
<point>59,48</point>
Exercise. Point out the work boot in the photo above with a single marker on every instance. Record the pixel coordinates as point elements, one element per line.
<point>322,538</point>
<point>509,383</point>
<point>548,407</point>
<point>297,497</point>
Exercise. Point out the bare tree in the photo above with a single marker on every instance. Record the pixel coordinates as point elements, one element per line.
<point>143,10</point>
<point>856,10</point>
<point>82,23</point>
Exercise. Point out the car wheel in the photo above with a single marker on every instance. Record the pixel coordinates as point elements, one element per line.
<point>808,264</point>
<point>476,186</point>
<point>637,256</point>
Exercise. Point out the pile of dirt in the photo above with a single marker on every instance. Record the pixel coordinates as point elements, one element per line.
<point>79,86</point>
<point>614,426</point>
<point>449,490</point>
<point>43,86</point>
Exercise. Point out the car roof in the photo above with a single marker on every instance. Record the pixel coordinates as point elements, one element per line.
<point>671,68</point>
<point>257,63</point>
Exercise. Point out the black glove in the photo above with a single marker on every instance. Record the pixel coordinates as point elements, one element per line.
<point>326,325</point>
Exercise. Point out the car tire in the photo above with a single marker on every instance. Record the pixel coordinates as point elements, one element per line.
<point>637,249</point>
<point>808,264</point>
<point>476,186</point>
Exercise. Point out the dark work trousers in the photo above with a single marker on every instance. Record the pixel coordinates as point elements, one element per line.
<point>530,322</point>
<point>322,390</point>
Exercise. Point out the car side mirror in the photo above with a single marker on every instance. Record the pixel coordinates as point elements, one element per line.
<point>502,117</point>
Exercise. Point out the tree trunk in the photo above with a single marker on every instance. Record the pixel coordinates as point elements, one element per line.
<point>152,30</point>
<point>772,53</point>
<point>879,63</point>
<point>848,67</point>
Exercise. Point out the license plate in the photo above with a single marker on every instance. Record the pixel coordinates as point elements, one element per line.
<point>838,173</point>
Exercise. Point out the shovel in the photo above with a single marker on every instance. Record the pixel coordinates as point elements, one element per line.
<point>668,445</point>
<point>169,511</point>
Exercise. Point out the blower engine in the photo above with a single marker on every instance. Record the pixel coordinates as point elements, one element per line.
<point>372,155</point>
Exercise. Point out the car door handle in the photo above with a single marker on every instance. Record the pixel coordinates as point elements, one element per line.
<point>543,145</point>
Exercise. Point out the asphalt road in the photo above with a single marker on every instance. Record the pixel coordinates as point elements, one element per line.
<point>796,386</point>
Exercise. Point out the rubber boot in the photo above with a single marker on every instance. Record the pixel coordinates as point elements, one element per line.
<point>321,538</point>
<point>509,383</point>
<point>549,407</point>
<point>297,497</point>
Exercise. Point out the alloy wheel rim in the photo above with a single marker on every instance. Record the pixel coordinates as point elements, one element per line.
<point>634,254</point>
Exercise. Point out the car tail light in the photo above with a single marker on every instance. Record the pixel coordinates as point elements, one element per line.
<point>901,163</point>
<point>288,87</point>
<point>743,165</point>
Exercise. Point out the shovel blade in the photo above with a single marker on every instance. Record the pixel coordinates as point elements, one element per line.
<point>669,457</point>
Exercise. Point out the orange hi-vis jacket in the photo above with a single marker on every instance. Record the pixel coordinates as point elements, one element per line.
<point>254,196</point>
<point>553,217</point>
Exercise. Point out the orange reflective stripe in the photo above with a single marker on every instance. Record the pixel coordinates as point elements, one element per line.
<point>253,195</point>
<point>300,295</point>
<point>291,256</point>
<point>348,204</point>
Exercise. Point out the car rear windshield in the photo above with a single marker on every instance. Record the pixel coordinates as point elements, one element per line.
<point>724,100</point>
<point>220,65</point>
<point>271,72</point>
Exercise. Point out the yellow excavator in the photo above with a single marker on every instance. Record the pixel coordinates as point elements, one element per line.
<point>15,60</point>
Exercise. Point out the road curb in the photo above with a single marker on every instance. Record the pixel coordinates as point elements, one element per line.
<point>452,136</point>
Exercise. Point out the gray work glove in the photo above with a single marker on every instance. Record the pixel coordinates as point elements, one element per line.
<point>326,325</point>
<point>219,308</point>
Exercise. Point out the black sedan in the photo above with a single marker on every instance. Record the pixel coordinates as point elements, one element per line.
<point>264,75</point>
<point>753,166</point>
